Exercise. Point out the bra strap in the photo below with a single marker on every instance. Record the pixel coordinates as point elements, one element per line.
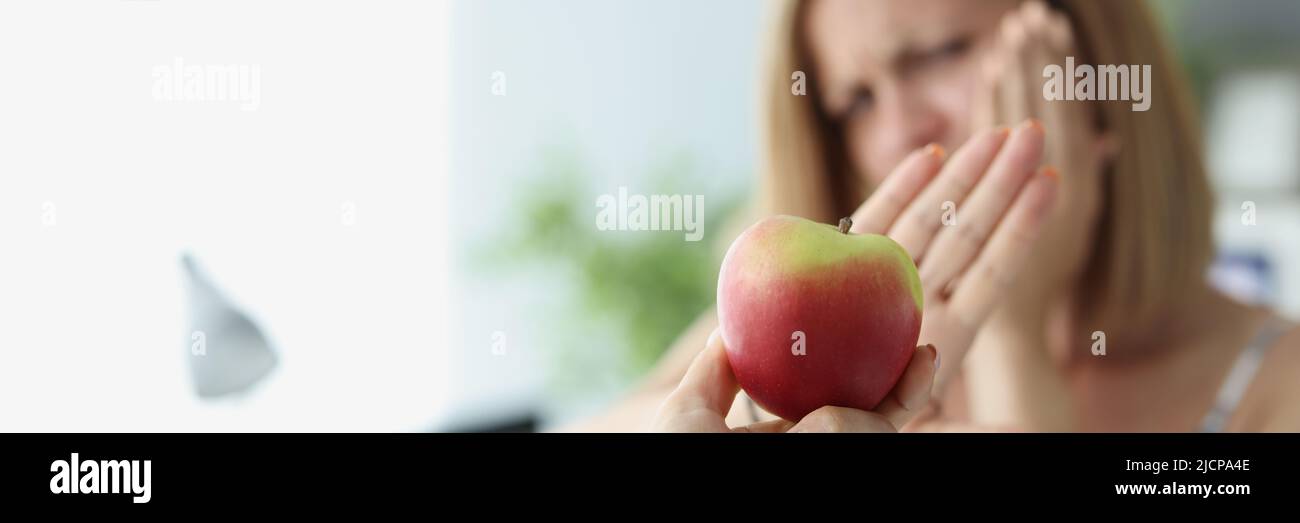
<point>1242,374</point>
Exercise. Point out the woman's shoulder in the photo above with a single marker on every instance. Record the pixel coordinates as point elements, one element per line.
<point>1270,403</point>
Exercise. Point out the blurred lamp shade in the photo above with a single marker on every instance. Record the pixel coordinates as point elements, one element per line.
<point>228,353</point>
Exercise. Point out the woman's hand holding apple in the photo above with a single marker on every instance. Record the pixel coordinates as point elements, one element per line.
<point>705,395</point>
<point>1000,199</point>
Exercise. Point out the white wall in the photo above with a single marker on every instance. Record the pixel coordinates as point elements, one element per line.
<point>353,97</point>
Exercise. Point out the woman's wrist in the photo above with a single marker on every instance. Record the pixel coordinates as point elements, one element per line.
<point>1019,324</point>
<point>1011,378</point>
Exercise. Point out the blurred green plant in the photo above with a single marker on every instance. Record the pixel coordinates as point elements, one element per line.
<point>643,288</point>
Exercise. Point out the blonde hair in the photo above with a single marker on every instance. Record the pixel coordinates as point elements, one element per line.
<point>1153,241</point>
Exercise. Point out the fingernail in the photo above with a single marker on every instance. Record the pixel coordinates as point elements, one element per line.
<point>1051,172</point>
<point>936,356</point>
<point>713,337</point>
<point>1033,123</point>
<point>936,150</point>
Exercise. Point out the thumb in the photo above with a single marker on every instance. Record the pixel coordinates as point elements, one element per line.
<point>708,384</point>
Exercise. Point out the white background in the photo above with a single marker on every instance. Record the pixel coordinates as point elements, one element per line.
<point>92,310</point>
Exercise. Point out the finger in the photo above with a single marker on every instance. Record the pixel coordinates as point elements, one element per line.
<point>766,427</point>
<point>1034,14</point>
<point>956,245</point>
<point>1013,92</point>
<point>898,189</point>
<point>991,67</point>
<point>1036,52</point>
<point>1049,42</point>
<point>1060,35</point>
<point>1038,21</point>
<point>912,393</point>
<point>994,270</point>
<point>708,386</point>
<point>843,419</point>
<point>914,228</point>
<point>984,114</point>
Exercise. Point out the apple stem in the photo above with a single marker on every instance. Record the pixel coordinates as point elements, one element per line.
<point>845,223</point>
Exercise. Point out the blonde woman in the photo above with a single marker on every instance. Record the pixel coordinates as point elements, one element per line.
<point>1079,222</point>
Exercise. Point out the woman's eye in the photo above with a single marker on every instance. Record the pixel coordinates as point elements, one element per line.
<point>862,100</point>
<point>951,49</point>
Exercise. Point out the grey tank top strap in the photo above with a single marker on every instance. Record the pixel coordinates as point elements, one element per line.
<point>1242,374</point>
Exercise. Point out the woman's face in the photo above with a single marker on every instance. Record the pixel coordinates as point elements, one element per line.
<point>899,74</point>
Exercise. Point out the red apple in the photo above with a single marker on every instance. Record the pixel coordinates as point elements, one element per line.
<point>812,315</point>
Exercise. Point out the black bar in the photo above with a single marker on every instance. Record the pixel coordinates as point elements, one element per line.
<point>452,471</point>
